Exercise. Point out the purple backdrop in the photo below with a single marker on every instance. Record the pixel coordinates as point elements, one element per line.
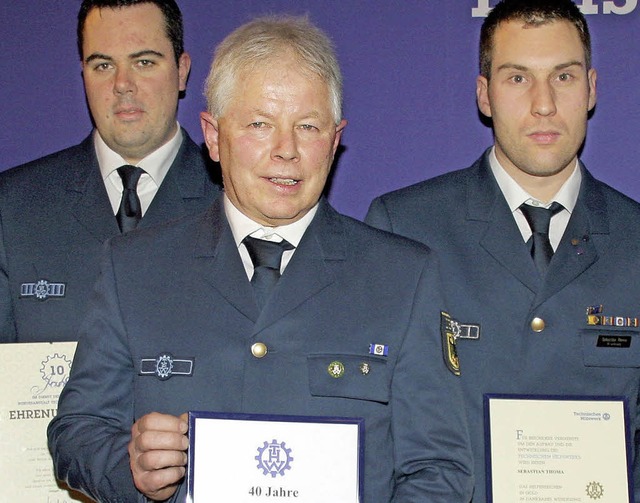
<point>409,71</point>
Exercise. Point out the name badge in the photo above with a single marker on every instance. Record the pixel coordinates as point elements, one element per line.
<point>614,341</point>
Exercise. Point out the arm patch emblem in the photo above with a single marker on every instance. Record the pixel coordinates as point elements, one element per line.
<point>449,349</point>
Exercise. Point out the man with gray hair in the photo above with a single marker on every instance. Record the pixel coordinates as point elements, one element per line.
<point>287,306</point>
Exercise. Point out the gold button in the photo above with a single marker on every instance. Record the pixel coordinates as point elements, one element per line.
<point>537,324</point>
<point>336,369</point>
<point>259,350</point>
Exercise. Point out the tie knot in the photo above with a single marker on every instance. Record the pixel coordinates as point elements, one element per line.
<point>130,176</point>
<point>130,211</point>
<point>539,218</point>
<point>266,253</point>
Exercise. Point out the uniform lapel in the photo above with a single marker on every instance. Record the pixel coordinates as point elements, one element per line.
<point>219,262</point>
<point>89,202</point>
<point>186,180</point>
<point>312,267</point>
<point>501,237</point>
<point>588,230</point>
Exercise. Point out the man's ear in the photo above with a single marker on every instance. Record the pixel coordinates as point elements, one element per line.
<point>210,132</point>
<point>184,67</point>
<point>593,77</point>
<point>339,129</point>
<point>482,95</point>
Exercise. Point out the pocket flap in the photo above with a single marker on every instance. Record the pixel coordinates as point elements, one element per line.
<point>349,376</point>
<point>610,347</point>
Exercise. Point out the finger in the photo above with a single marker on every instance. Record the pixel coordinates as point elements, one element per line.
<point>161,422</point>
<point>159,484</point>
<point>152,440</point>
<point>159,460</point>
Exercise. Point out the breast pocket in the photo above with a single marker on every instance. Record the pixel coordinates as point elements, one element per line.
<point>610,347</point>
<point>349,376</point>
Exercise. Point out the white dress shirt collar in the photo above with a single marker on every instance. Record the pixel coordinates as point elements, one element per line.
<point>242,226</point>
<point>516,196</point>
<point>156,165</point>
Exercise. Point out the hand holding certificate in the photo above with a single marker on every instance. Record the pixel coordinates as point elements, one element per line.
<point>560,449</point>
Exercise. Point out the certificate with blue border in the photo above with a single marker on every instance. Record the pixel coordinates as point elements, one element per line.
<point>253,458</point>
<point>557,448</point>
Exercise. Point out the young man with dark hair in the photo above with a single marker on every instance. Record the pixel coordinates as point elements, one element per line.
<point>138,167</point>
<point>530,242</point>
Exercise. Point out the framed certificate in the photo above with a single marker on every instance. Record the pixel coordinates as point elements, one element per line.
<point>557,448</point>
<point>33,377</point>
<point>249,458</point>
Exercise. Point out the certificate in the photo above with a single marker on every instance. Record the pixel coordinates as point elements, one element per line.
<point>248,458</point>
<point>557,449</point>
<point>33,377</point>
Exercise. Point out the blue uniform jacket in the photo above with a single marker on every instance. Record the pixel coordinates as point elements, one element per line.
<point>54,217</point>
<point>181,289</point>
<point>490,280</point>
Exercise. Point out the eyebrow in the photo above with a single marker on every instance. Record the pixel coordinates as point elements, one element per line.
<point>561,66</point>
<point>135,55</point>
<point>313,114</point>
<point>260,113</point>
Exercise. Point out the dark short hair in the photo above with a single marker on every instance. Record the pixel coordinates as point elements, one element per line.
<point>169,8</point>
<point>533,13</point>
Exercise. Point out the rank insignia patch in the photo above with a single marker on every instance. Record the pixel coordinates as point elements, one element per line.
<point>165,366</point>
<point>449,350</point>
<point>42,290</point>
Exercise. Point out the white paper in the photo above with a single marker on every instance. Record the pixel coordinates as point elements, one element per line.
<point>33,375</point>
<point>312,462</point>
<point>558,451</point>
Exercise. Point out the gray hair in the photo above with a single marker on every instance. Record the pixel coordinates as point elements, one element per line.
<point>263,40</point>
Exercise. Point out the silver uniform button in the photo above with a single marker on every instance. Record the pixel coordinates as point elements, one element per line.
<point>537,324</point>
<point>259,350</point>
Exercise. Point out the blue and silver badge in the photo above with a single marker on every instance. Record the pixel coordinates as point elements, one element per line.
<point>378,349</point>
<point>42,290</point>
<point>165,366</point>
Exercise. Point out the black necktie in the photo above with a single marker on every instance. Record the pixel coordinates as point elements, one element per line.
<point>266,257</point>
<point>130,211</point>
<point>539,220</point>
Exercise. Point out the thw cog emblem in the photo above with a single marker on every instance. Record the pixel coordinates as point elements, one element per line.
<point>41,290</point>
<point>55,370</point>
<point>595,490</point>
<point>274,458</point>
<point>164,366</point>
